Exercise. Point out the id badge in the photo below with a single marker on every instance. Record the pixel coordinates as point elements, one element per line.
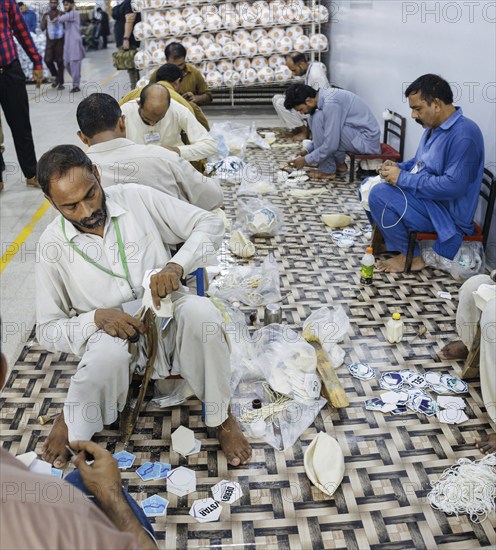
<point>151,137</point>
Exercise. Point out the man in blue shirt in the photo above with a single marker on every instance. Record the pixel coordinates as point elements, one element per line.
<point>438,189</point>
<point>54,51</point>
<point>340,121</point>
<point>29,16</point>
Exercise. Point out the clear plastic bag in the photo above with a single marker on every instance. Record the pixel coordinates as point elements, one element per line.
<point>229,170</point>
<point>251,285</point>
<point>259,218</point>
<point>328,327</point>
<point>470,259</point>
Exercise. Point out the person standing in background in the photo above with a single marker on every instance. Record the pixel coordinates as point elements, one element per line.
<point>73,42</point>
<point>13,94</point>
<point>104,27</point>
<point>125,20</point>
<point>29,17</point>
<point>54,51</point>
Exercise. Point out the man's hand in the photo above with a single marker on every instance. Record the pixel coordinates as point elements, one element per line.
<point>38,77</point>
<point>298,162</point>
<point>102,478</point>
<point>384,164</point>
<point>189,96</point>
<point>173,149</point>
<point>390,173</point>
<point>117,323</point>
<point>164,282</point>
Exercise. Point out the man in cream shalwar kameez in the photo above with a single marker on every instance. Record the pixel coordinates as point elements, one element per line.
<point>78,298</point>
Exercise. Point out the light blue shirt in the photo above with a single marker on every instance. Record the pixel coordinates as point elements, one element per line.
<point>451,165</point>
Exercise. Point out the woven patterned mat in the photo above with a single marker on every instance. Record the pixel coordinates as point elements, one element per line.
<point>390,460</point>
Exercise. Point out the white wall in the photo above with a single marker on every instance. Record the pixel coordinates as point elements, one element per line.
<point>378,47</point>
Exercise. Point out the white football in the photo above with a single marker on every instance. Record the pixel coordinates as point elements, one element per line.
<point>266,74</point>
<point>248,76</point>
<point>213,22</point>
<point>205,40</point>
<point>189,41</point>
<point>214,79</point>
<point>230,21</point>
<point>207,66</point>
<point>190,11</point>
<point>258,34</point>
<point>224,65</point>
<point>276,34</point>
<point>154,45</point>
<point>231,78</point>
<point>173,14</point>
<point>258,62</point>
<point>265,46</point>
<point>241,63</point>
<point>301,43</point>
<point>267,18</point>
<point>195,54</point>
<point>178,27</point>
<point>306,15</point>
<point>241,35</point>
<point>156,4</point>
<point>248,17</point>
<point>195,24</point>
<point>276,61</point>
<point>320,14</point>
<point>284,45</point>
<point>261,5</point>
<point>248,48</point>
<point>142,59</point>
<point>142,30</point>
<point>294,31</point>
<point>208,11</point>
<point>161,28</point>
<point>282,74</point>
<point>158,57</point>
<point>173,3</point>
<point>213,51</point>
<point>318,42</point>
<point>222,38</point>
<point>231,49</point>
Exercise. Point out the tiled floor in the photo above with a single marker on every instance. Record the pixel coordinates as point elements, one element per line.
<point>390,460</point>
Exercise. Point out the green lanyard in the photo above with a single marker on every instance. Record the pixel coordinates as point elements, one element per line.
<point>122,254</point>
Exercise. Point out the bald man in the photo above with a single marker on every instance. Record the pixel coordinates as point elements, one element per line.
<point>156,119</point>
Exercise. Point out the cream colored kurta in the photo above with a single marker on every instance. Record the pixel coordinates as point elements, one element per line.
<point>467,317</point>
<point>168,131</point>
<point>122,161</point>
<point>70,290</point>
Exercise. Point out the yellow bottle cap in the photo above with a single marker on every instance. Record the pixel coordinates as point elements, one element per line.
<point>396,316</point>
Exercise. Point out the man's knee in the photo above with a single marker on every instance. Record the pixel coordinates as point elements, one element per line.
<point>379,194</point>
<point>105,357</point>
<point>198,316</point>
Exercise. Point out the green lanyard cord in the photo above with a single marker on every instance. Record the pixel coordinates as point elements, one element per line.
<point>122,255</point>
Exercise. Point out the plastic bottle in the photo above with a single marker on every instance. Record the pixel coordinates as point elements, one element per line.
<point>258,426</point>
<point>394,329</point>
<point>367,271</point>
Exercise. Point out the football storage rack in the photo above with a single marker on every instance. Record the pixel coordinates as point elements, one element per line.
<point>223,23</point>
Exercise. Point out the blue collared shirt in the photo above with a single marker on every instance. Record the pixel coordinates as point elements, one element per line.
<point>55,30</point>
<point>451,165</point>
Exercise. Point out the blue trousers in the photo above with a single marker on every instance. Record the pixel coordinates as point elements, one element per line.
<point>349,140</point>
<point>387,205</point>
<point>74,478</point>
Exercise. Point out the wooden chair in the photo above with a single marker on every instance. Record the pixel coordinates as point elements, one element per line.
<point>129,415</point>
<point>488,193</point>
<point>395,127</point>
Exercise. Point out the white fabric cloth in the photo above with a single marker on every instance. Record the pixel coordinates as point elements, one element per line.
<point>290,119</point>
<point>168,131</point>
<point>122,161</point>
<point>70,290</point>
<point>467,317</point>
<point>316,76</point>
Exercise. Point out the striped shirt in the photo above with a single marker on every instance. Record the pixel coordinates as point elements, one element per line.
<point>12,24</point>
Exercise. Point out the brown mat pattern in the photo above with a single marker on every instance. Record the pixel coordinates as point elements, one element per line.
<point>390,460</point>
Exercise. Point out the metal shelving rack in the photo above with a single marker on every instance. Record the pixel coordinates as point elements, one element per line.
<point>257,92</point>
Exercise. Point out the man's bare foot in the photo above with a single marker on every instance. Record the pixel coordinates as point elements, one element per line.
<point>233,442</point>
<point>316,174</point>
<point>487,444</point>
<point>341,168</point>
<point>397,264</point>
<point>454,350</point>
<point>54,450</point>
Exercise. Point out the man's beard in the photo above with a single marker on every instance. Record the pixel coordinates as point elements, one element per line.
<point>418,121</point>
<point>99,216</point>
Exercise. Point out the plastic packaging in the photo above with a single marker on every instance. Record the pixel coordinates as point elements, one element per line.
<point>394,329</point>
<point>469,261</point>
<point>367,270</point>
<point>259,217</point>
